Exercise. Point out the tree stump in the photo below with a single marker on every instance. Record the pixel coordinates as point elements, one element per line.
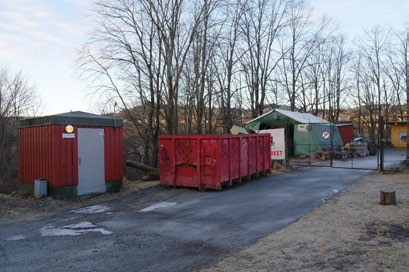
<point>388,197</point>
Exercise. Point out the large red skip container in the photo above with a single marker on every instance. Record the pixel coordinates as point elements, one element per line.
<point>211,161</point>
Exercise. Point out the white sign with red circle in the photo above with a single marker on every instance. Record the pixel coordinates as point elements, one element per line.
<point>325,135</point>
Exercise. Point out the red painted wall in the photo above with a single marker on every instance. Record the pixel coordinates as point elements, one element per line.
<point>114,153</point>
<point>346,132</point>
<point>209,161</point>
<point>44,153</point>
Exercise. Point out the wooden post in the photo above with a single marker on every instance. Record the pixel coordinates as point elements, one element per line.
<point>388,197</point>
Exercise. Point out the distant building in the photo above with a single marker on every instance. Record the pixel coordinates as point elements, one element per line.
<point>305,133</point>
<point>398,133</point>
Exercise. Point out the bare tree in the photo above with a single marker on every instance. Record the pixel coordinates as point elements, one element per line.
<point>315,83</point>
<point>177,29</point>
<point>18,98</point>
<point>198,67</point>
<point>356,103</point>
<point>122,63</point>
<point>203,52</point>
<point>335,77</point>
<point>302,38</point>
<point>262,23</point>
<point>395,70</point>
<point>373,48</point>
<point>225,68</point>
<point>136,57</point>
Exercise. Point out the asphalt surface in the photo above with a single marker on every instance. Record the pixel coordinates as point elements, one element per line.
<point>167,229</point>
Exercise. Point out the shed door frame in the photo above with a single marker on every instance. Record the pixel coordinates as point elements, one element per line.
<point>91,161</point>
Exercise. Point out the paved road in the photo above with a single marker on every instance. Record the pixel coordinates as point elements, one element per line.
<point>166,229</point>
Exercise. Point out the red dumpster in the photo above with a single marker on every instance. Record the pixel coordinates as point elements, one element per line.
<point>211,161</point>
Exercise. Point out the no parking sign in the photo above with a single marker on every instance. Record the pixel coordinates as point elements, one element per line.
<point>325,134</point>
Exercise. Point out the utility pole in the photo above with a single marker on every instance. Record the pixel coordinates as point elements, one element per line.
<point>407,101</point>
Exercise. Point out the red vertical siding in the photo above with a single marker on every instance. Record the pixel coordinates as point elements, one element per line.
<point>213,160</point>
<point>44,153</point>
<point>244,156</point>
<point>167,160</point>
<point>65,158</point>
<point>235,158</point>
<point>114,162</point>
<point>209,166</point>
<point>225,158</point>
<point>346,132</point>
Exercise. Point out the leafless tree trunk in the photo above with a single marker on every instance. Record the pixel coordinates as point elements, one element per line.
<point>136,56</point>
<point>122,61</point>
<point>203,50</point>
<point>177,28</point>
<point>301,41</point>
<point>336,60</point>
<point>357,97</point>
<point>225,68</point>
<point>373,49</point>
<point>18,99</point>
<point>262,24</point>
<point>395,69</point>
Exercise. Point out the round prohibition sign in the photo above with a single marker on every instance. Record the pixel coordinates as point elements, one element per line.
<point>325,135</point>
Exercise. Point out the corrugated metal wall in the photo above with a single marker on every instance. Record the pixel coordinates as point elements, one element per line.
<point>210,161</point>
<point>65,158</point>
<point>44,153</point>
<point>346,132</point>
<point>114,150</point>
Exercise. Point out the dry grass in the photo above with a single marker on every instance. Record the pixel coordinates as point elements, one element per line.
<point>20,206</point>
<point>351,232</point>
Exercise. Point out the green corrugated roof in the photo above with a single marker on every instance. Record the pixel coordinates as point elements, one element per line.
<point>77,118</point>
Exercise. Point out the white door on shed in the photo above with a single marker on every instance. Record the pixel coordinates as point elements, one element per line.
<point>91,162</point>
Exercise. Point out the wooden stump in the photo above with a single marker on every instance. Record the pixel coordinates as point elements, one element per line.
<point>388,197</point>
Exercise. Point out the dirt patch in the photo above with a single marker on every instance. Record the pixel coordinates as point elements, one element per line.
<point>388,230</point>
<point>350,232</point>
<point>20,206</point>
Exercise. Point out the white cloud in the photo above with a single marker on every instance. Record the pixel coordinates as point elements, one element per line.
<point>41,38</point>
<point>37,27</point>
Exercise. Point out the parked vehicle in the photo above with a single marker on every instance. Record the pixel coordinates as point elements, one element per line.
<point>360,146</point>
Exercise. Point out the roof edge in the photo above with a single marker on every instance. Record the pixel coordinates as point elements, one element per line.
<point>72,118</point>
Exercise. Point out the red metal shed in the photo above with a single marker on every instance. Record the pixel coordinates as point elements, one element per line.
<point>346,131</point>
<point>76,153</point>
<point>211,161</point>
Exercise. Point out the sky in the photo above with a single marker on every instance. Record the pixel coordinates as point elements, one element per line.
<point>353,16</point>
<point>42,38</point>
